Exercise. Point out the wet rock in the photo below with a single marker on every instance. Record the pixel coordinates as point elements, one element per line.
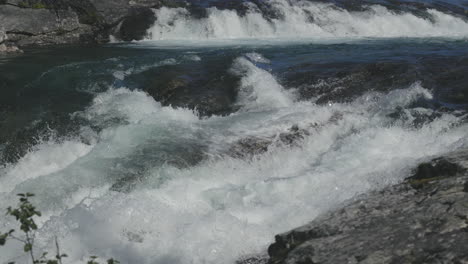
<point>448,78</point>
<point>75,21</point>
<point>348,81</point>
<point>266,8</point>
<point>136,24</point>
<point>343,82</point>
<point>209,91</point>
<point>416,7</point>
<point>56,27</point>
<point>395,225</point>
<point>131,173</point>
<point>18,142</point>
<point>260,259</point>
<point>433,170</point>
<point>251,146</point>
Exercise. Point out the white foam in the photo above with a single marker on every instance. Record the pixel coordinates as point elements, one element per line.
<point>256,57</point>
<point>46,158</point>
<point>224,208</point>
<point>132,106</point>
<point>304,20</point>
<point>259,89</point>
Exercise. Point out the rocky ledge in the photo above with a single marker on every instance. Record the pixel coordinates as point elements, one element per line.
<point>422,220</point>
<point>52,22</point>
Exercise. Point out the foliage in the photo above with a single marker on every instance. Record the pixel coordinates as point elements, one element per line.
<point>24,214</point>
<point>39,6</point>
<point>35,5</point>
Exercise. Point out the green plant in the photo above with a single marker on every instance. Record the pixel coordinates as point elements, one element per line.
<point>23,4</point>
<point>38,6</point>
<point>24,214</point>
<point>28,4</point>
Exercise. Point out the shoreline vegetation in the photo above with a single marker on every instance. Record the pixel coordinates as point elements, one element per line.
<point>24,214</point>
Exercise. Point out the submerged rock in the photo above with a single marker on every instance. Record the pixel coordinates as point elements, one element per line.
<point>131,173</point>
<point>343,81</point>
<point>350,81</point>
<point>396,225</point>
<point>200,87</point>
<point>251,146</point>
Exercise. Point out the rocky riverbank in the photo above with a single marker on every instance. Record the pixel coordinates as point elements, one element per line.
<point>47,22</point>
<point>422,220</point>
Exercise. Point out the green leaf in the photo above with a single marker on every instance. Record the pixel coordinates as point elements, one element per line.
<point>27,247</point>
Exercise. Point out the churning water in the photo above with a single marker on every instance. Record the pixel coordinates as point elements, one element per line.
<point>147,181</point>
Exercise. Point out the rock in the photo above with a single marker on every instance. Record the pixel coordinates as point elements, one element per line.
<point>92,21</point>
<point>60,27</point>
<point>350,81</point>
<point>260,259</point>
<point>9,49</point>
<point>132,172</point>
<point>395,225</point>
<point>135,26</point>
<point>195,86</point>
<point>449,80</point>
<point>252,146</point>
<point>19,141</point>
<point>433,170</point>
<point>74,21</point>
<point>343,81</point>
<point>3,36</point>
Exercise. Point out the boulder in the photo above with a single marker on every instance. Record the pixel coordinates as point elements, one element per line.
<point>433,170</point>
<point>396,225</point>
<point>135,25</point>
<point>349,81</point>
<point>195,86</point>
<point>252,146</point>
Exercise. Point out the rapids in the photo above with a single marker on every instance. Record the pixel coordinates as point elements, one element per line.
<point>127,161</point>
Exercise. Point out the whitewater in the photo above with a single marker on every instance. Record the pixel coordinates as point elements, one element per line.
<point>303,20</point>
<point>148,181</point>
<point>223,208</point>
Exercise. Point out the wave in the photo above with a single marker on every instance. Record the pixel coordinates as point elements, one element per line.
<point>221,207</point>
<point>304,20</point>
